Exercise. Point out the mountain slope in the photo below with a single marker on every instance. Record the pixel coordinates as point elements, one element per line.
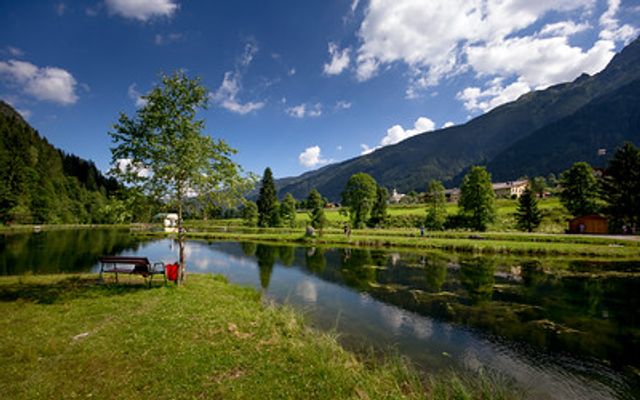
<point>41,184</point>
<point>604,123</point>
<point>445,154</point>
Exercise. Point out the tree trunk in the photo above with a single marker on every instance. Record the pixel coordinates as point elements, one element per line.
<point>182,274</point>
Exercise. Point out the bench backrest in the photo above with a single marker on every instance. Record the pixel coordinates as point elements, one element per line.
<point>143,261</point>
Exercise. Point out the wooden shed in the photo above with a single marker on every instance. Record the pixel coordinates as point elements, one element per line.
<point>593,223</point>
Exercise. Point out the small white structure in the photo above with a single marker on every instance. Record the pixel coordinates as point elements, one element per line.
<point>170,222</point>
<point>396,197</point>
<point>511,188</point>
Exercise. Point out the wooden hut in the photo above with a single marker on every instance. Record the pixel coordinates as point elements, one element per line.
<point>593,223</point>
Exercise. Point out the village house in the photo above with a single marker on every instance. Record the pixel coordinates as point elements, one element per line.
<point>510,188</point>
<point>396,197</point>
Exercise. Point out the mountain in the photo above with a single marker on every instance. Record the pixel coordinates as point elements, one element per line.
<point>446,154</point>
<point>41,184</point>
<point>604,123</point>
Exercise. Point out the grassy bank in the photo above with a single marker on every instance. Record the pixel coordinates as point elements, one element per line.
<point>70,337</point>
<point>407,239</point>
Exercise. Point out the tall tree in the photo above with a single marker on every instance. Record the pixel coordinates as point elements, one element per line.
<point>379,211</point>
<point>580,192</point>
<point>288,210</point>
<point>621,187</point>
<point>163,151</point>
<point>268,207</point>
<point>436,206</point>
<point>359,196</point>
<point>477,199</point>
<point>528,216</point>
<point>316,203</point>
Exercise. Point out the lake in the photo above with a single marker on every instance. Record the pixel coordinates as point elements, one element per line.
<point>556,328</point>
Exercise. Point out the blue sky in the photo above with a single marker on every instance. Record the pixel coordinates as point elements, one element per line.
<point>297,84</point>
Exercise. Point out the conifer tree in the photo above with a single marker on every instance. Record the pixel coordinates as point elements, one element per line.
<point>528,215</point>
<point>268,207</point>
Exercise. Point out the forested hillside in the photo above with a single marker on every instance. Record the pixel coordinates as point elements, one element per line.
<point>592,134</point>
<point>41,184</point>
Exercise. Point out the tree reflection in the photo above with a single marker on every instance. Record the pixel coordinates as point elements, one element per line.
<point>248,248</point>
<point>287,255</point>
<point>315,260</point>
<point>532,273</point>
<point>476,276</point>
<point>436,273</point>
<point>357,268</point>
<point>266,256</point>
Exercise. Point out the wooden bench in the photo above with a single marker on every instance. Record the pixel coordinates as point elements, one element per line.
<point>131,266</point>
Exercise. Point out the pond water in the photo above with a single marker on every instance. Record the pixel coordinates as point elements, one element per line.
<point>557,329</point>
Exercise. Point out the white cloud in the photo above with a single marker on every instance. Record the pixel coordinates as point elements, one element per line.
<point>42,83</point>
<point>311,157</point>
<point>136,96</point>
<point>611,26</point>
<point>304,110</point>
<point>343,105</point>
<point>291,72</point>
<point>493,38</point>
<point>476,99</point>
<point>339,60</point>
<point>397,133</point>
<point>227,93</point>
<point>448,124</point>
<point>142,10</point>
<point>354,5</point>
<point>161,39</point>
<point>125,165</point>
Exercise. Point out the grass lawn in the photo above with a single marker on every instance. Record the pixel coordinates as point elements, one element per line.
<point>71,337</point>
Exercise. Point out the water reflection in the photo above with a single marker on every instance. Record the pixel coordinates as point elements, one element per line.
<point>67,250</point>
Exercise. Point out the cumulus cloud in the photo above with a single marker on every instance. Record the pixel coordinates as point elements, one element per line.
<point>491,38</point>
<point>339,60</point>
<point>343,105</point>
<point>311,157</point>
<point>476,99</point>
<point>397,133</point>
<point>304,110</point>
<point>42,83</point>
<point>142,10</point>
<point>448,124</point>
<point>136,96</point>
<point>227,94</point>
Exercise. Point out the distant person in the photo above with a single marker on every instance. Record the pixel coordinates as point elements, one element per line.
<point>422,231</point>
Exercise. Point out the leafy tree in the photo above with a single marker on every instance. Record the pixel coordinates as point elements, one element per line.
<point>268,207</point>
<point>379,211</point>
<point>288,211</point>
<point>162,150</point>
<point>359,196</point>
<point>580,192</point>
<point>436,206</point>
<point>621,186</point>
<point>315,202</point>
<point>477,199</point>
<point>528,216</point>
<point>250,213</point>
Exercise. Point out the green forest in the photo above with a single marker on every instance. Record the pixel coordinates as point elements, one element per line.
<point>41,184</point>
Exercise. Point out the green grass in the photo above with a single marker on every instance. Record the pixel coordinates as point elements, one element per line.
<point>72,337</point>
